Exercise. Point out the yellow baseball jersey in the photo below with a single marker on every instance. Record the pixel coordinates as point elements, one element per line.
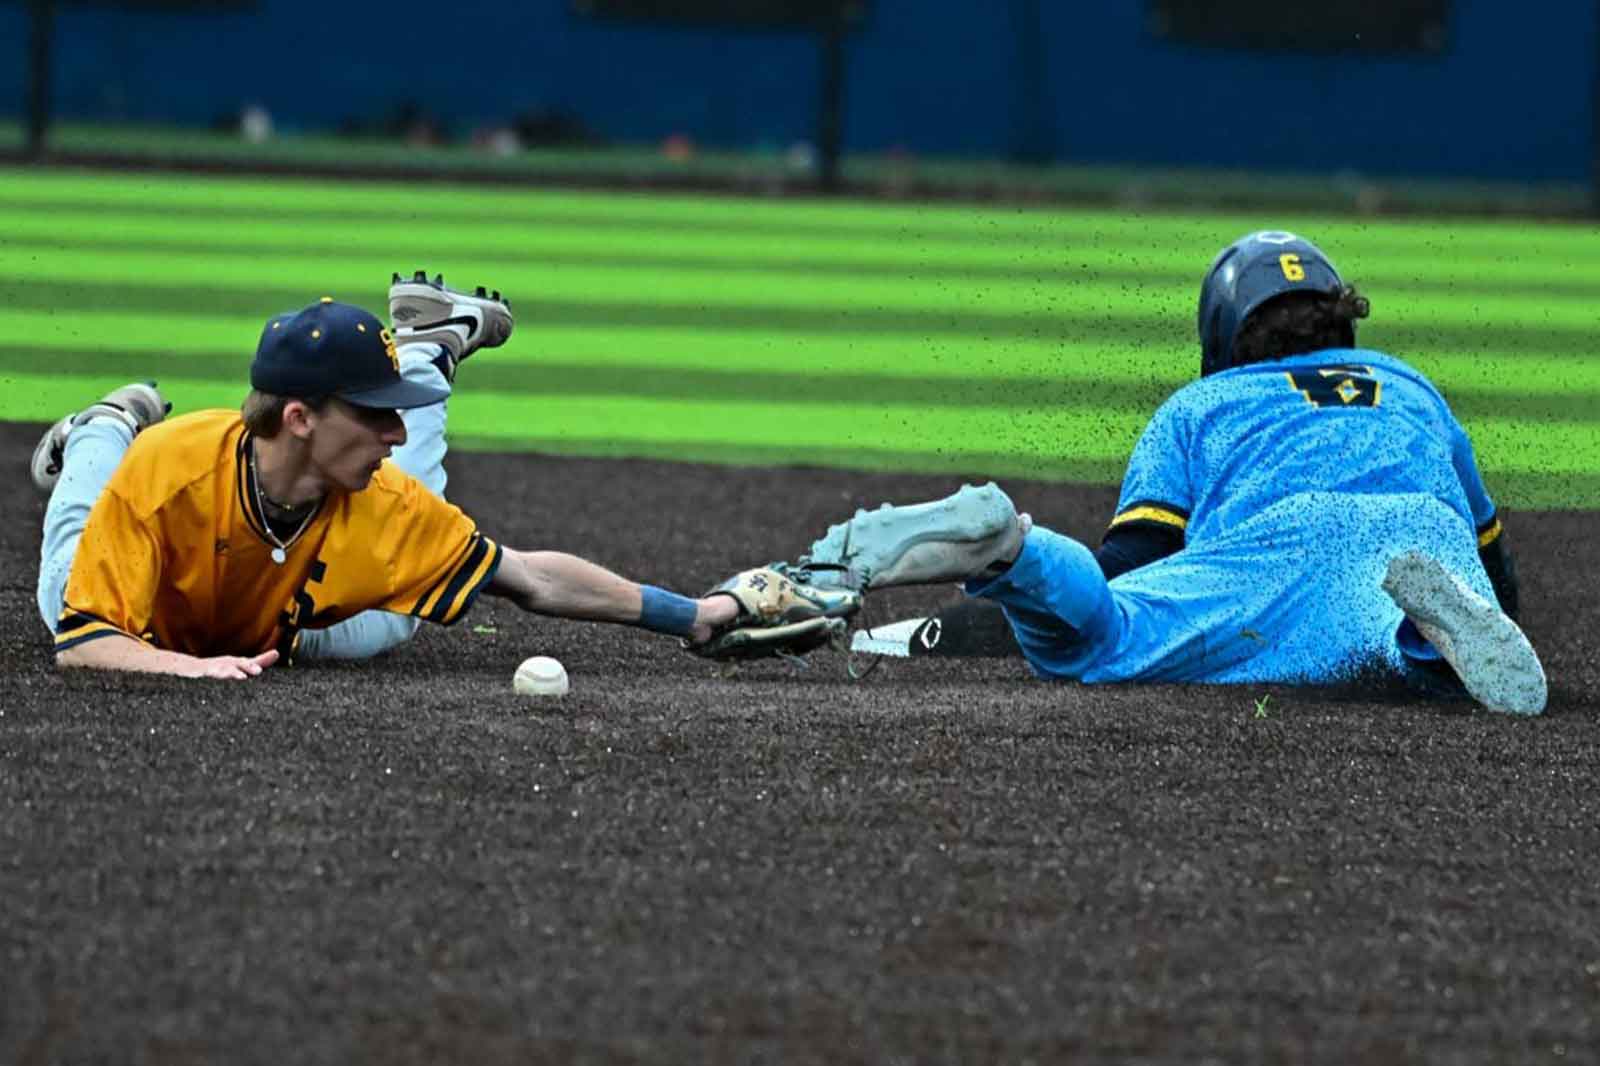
<point>176,551</point>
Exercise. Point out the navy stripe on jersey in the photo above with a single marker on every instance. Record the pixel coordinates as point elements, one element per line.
<point>245,484</point>
<point>242,485</point>
<point>421,607</point>
<point>461,586</point>
<point>80,627</point>
<point>486,573</point>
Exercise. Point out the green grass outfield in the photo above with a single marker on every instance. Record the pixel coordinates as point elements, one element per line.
<point>1005,341</point>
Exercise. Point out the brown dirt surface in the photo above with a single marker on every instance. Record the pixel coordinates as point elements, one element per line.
<point>401,861</point>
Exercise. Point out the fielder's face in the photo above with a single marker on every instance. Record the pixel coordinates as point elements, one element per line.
<point>349,442</point>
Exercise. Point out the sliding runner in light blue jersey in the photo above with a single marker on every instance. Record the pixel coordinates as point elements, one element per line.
<point>1306,512</point>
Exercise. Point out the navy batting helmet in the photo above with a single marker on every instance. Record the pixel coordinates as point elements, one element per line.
<point>1246,274</point>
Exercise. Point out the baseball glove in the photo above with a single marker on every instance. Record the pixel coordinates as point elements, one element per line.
<point>778,616</point>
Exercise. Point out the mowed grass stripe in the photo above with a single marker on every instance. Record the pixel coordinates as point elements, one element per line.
<point>392,203</point>
<point>708,275</point>
<point>1528,464</point>
<point>1560,269</point>
<point>719,288</point>
<point>1119,324</point>
<point>1518,489</point>
<point>383,200</point>
<point>1035,433</point>
<point>137,336</point>
<point>139,341</point>
<point>555,379</point>
<point>1540,281</point>
<point>897,427</point>
<point>663,215</point>
<point>357,269</point>
<point>700,308</point>
<point>1536,255</point>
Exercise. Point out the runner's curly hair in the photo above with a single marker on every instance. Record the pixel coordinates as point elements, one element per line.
<point>1299,322</point>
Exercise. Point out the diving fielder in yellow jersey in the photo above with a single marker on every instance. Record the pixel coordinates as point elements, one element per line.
<point>218,543</point>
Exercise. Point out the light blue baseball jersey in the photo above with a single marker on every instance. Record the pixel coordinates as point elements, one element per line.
<point>1230,445</point>
<point>1294,482</point>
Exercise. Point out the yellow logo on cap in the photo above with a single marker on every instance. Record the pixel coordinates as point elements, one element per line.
<point>388,348</point>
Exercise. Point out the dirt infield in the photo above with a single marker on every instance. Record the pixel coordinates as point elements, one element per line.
<point>400,861</point>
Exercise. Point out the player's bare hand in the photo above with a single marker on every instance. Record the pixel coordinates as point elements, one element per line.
<point>234,667</point>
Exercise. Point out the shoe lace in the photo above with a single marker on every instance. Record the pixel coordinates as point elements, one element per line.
<point>861,673</point>
<point>804,570</point>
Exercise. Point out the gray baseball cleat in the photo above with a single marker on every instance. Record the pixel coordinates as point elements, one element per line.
<point>1487,650</point>
<point>426,312</point>
<point>136,406</point>
<point>974,531</point>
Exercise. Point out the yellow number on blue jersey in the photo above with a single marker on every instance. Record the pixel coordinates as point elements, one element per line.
<point>1337,385</point>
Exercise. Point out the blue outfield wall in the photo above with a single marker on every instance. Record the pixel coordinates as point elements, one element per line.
<point>1509,97</point>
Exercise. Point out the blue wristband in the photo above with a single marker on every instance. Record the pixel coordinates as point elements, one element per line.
<point>666,612</point>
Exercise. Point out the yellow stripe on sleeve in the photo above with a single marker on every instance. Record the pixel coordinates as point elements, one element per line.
<point>1147,513</point>
<point>452,594</point>
<point>422,608</point>
<point>76,628</point>
<point>1490,534</point>
<point>488,560</point>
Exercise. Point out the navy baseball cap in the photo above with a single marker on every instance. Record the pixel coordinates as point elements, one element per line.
<point>335,349</point>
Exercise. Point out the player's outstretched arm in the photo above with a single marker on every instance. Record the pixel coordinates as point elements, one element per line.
<point>135,656</point>
<point>566,586</point>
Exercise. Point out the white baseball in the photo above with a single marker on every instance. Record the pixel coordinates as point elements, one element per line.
<point>540,676</point>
